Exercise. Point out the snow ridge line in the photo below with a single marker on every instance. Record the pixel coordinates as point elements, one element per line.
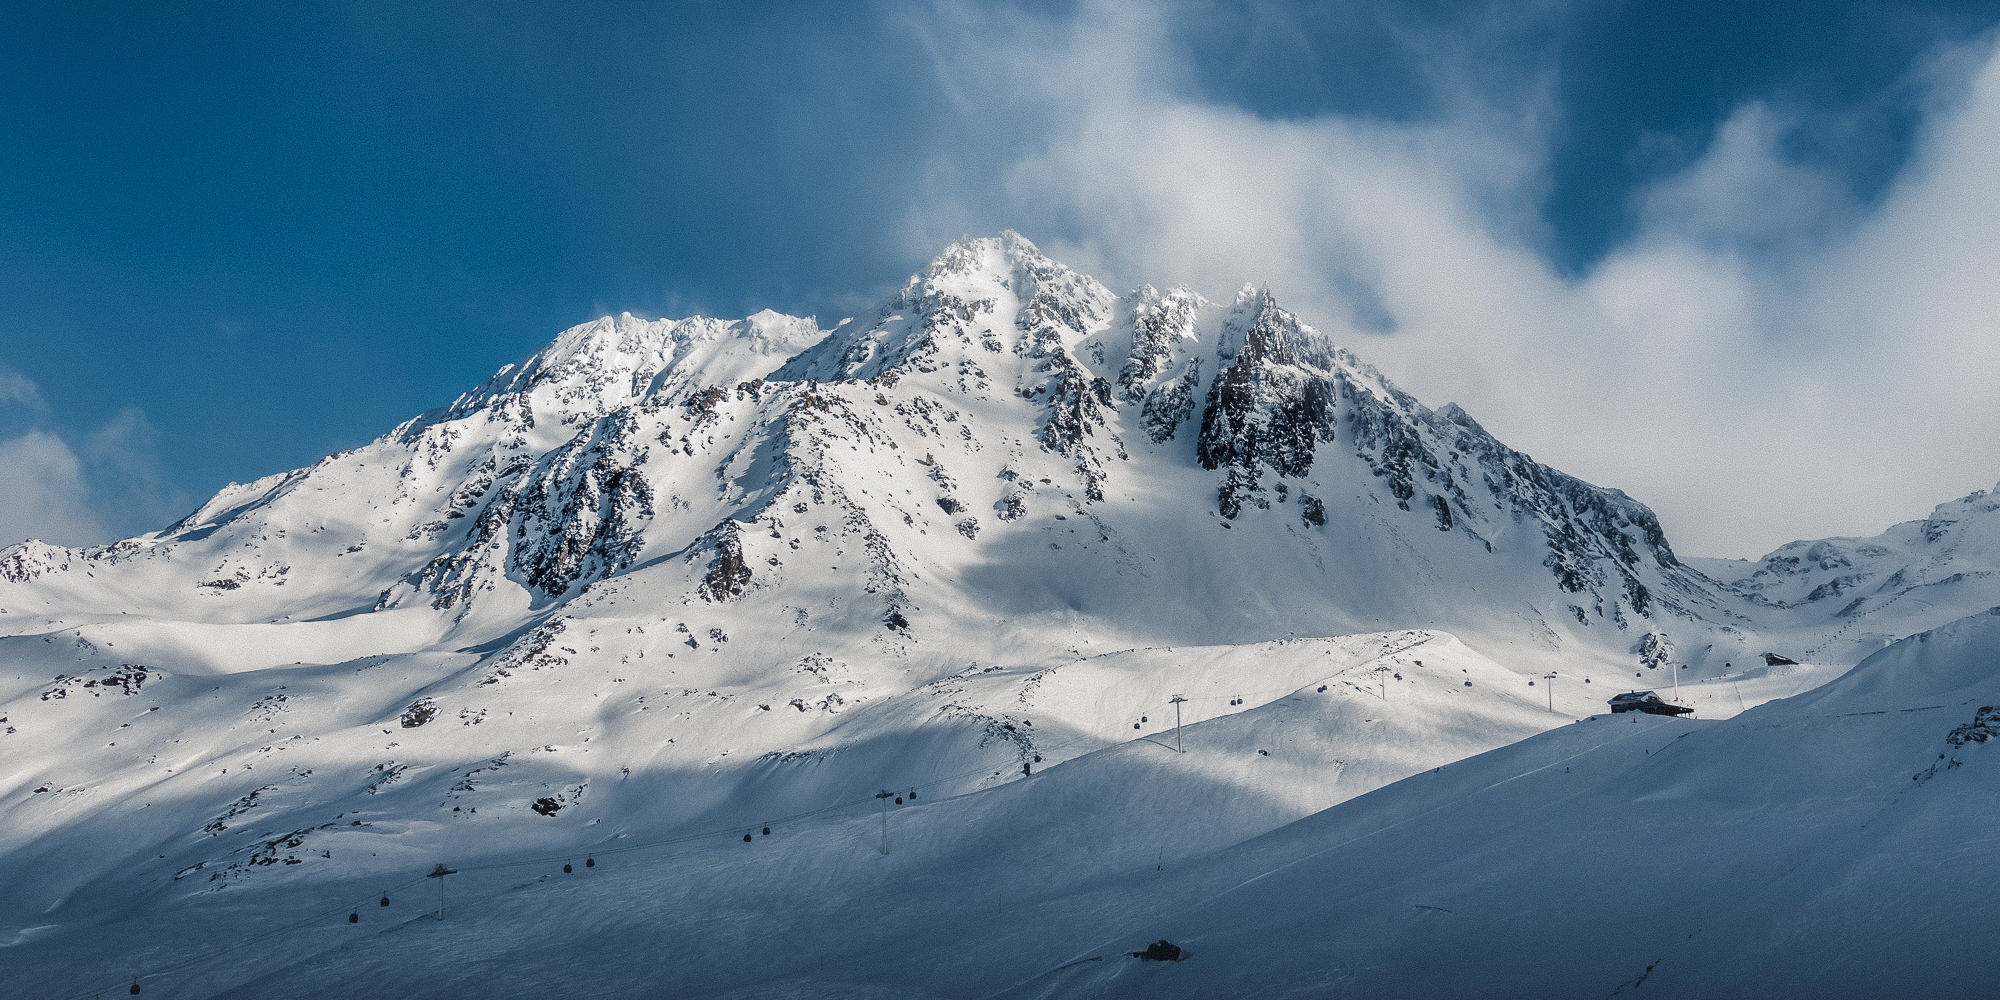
<point>1086,954</point>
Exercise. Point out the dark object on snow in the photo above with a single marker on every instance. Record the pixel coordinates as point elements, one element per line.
<point>767,831</point>
<point>590,862</point>
<point>746,838</point>
<point>424,710</point>
<point>135,987</point>
<point>1027,768</point>
<point>546,806</point>
<point>354,918</point>
<point>1322,687</point>
<point>1774,660</point>
<point>567,870</point>
<point>899,800</point>
<point>1647,702</point>
<point>1159,951</point>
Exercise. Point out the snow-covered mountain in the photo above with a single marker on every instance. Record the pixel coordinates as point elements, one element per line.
<point>1864,592</point>
<point>678,582</point>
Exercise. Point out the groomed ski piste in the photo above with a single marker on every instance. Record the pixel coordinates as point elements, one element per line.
<point>1031,621</point>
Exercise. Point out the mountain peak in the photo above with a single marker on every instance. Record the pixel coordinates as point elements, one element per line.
<point>595,367</point>
<point>1007,248</point>
<point>1258,328</point>
<point>991,295</point>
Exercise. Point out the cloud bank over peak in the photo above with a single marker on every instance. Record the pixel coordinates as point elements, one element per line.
<point>1765,357</point>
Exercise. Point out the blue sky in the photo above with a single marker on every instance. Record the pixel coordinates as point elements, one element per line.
<point>234,238</point>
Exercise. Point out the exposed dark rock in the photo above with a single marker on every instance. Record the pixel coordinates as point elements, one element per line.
<point>1985,725</point>
<point>424,710</point>
<point>1311,511</point>
<point>728,573</point>
<point>583,510</point>
<point>1655,651</point>
<point>1273,404</point>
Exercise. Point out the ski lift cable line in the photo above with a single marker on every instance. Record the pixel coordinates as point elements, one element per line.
<point>214,953</point>
<point>735,829</point>
<point>1268,694</point>
<point>1272,694</point>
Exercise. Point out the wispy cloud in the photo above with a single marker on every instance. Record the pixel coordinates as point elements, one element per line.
<point>17,390</point>
<point>50,490</point>
<point>1765,358</point>
<point>43,494</point>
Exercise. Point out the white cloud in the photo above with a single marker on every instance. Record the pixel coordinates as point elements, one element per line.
<point>17,390</point>
<point>124,454</point>
<point>43,494</point>
<point>50,491</point>
<point>1764,360</point>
